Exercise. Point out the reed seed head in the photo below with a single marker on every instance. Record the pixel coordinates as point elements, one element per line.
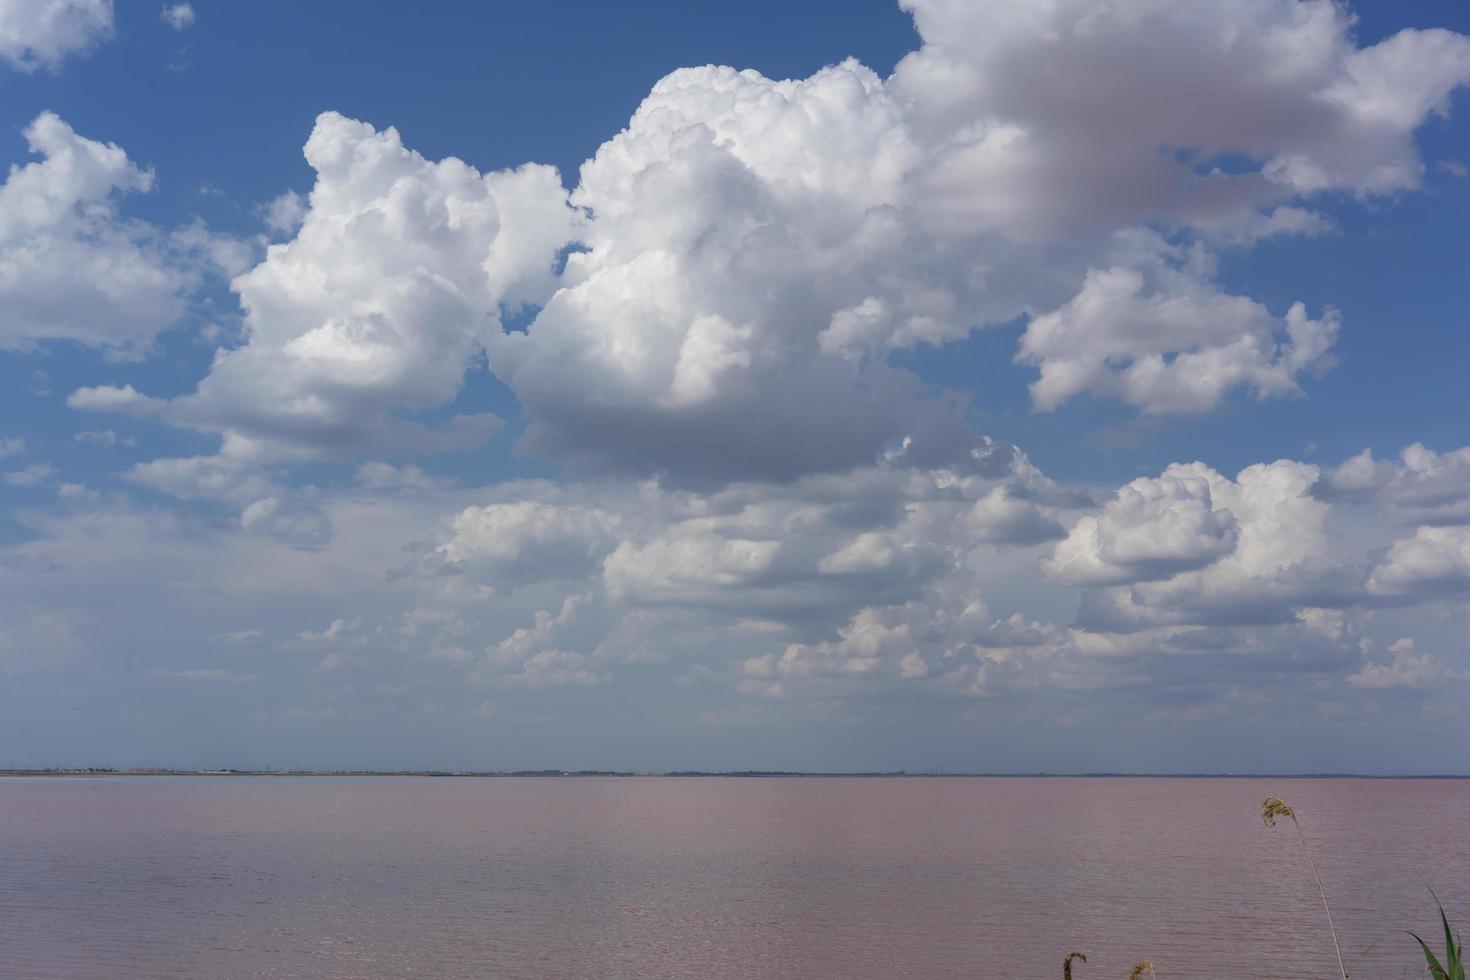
<point>1076,954</point>
<point>1273,808</point>
<point>1140,969</point>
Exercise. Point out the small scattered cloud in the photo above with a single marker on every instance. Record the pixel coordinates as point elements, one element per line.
<point>106,438</point>
<point>179,16</point>
<point>213,675</point>
<point>238,638</point>
<point>1408,669</point>
<point>283,214</point>
<point>35,475</point>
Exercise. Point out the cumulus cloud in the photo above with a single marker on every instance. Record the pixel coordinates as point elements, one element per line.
<point>1062,116</point>
<point>526,541</point>
<point>1422,487</point>
<point>41,33</point>
<point>1196,547</point>
<point>1181,349</point>
<point>1435,560</point>
<point>528,657</point>
<point>70,267</point>
<point>124,399</point>
<point>381,301</point>
<point>1153,528</point>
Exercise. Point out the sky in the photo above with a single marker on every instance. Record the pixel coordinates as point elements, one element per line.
<point>841,386</point>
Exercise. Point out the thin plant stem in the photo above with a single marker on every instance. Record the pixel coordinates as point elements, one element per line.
<point>1276,807</point>
<point>1323,892</point>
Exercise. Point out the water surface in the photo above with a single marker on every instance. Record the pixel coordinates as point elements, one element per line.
<point>203,877</point>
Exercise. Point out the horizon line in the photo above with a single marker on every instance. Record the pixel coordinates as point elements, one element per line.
<point>694,773</point>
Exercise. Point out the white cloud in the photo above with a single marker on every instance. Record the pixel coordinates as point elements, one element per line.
<point>34,475</point>
<point>553,668</point>
<point>40,33</point>
<point>1406,669</point>
<point>284,213</point>
<point>381,302</point>
<point>527,657</point>
<point>12,446</point>
<point>1154,528</point>
<point>70,267</point>
<point>1195,547</point>
<point>105,438</point>
<point>1181,349</point>
<point>339,630</point>
<point>515,543</point>
<point>289,515</point>
<point>1436,560</point>
<point>177,15</point>
<point>1062,116</point>
<point>1423,487</point>
<point>125,400</point>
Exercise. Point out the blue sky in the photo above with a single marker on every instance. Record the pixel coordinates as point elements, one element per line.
<point>500,387</point>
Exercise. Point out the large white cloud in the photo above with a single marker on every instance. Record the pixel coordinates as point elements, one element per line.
<point>40,33</point>
<point>1051,118</point>
<point>376,308</point>
<point>71,267</point>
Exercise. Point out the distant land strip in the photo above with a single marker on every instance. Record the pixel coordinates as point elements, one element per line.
<point>733,774</point>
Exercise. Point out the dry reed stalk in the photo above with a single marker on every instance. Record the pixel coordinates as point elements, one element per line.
<point>1139,969</point>
<point>1076,954</point>
<point>1275,807</point>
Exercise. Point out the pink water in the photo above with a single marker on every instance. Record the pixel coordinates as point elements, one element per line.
<point>724,878</point>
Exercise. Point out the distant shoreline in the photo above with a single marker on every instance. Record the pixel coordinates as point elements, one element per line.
<point>693,774</point>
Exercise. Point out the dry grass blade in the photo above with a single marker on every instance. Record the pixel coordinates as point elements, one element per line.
<point>1274,807</point>
<point>1140,968</point>
<point>1076,954</point>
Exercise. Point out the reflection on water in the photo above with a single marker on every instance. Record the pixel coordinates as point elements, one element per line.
<point>726,878</point>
